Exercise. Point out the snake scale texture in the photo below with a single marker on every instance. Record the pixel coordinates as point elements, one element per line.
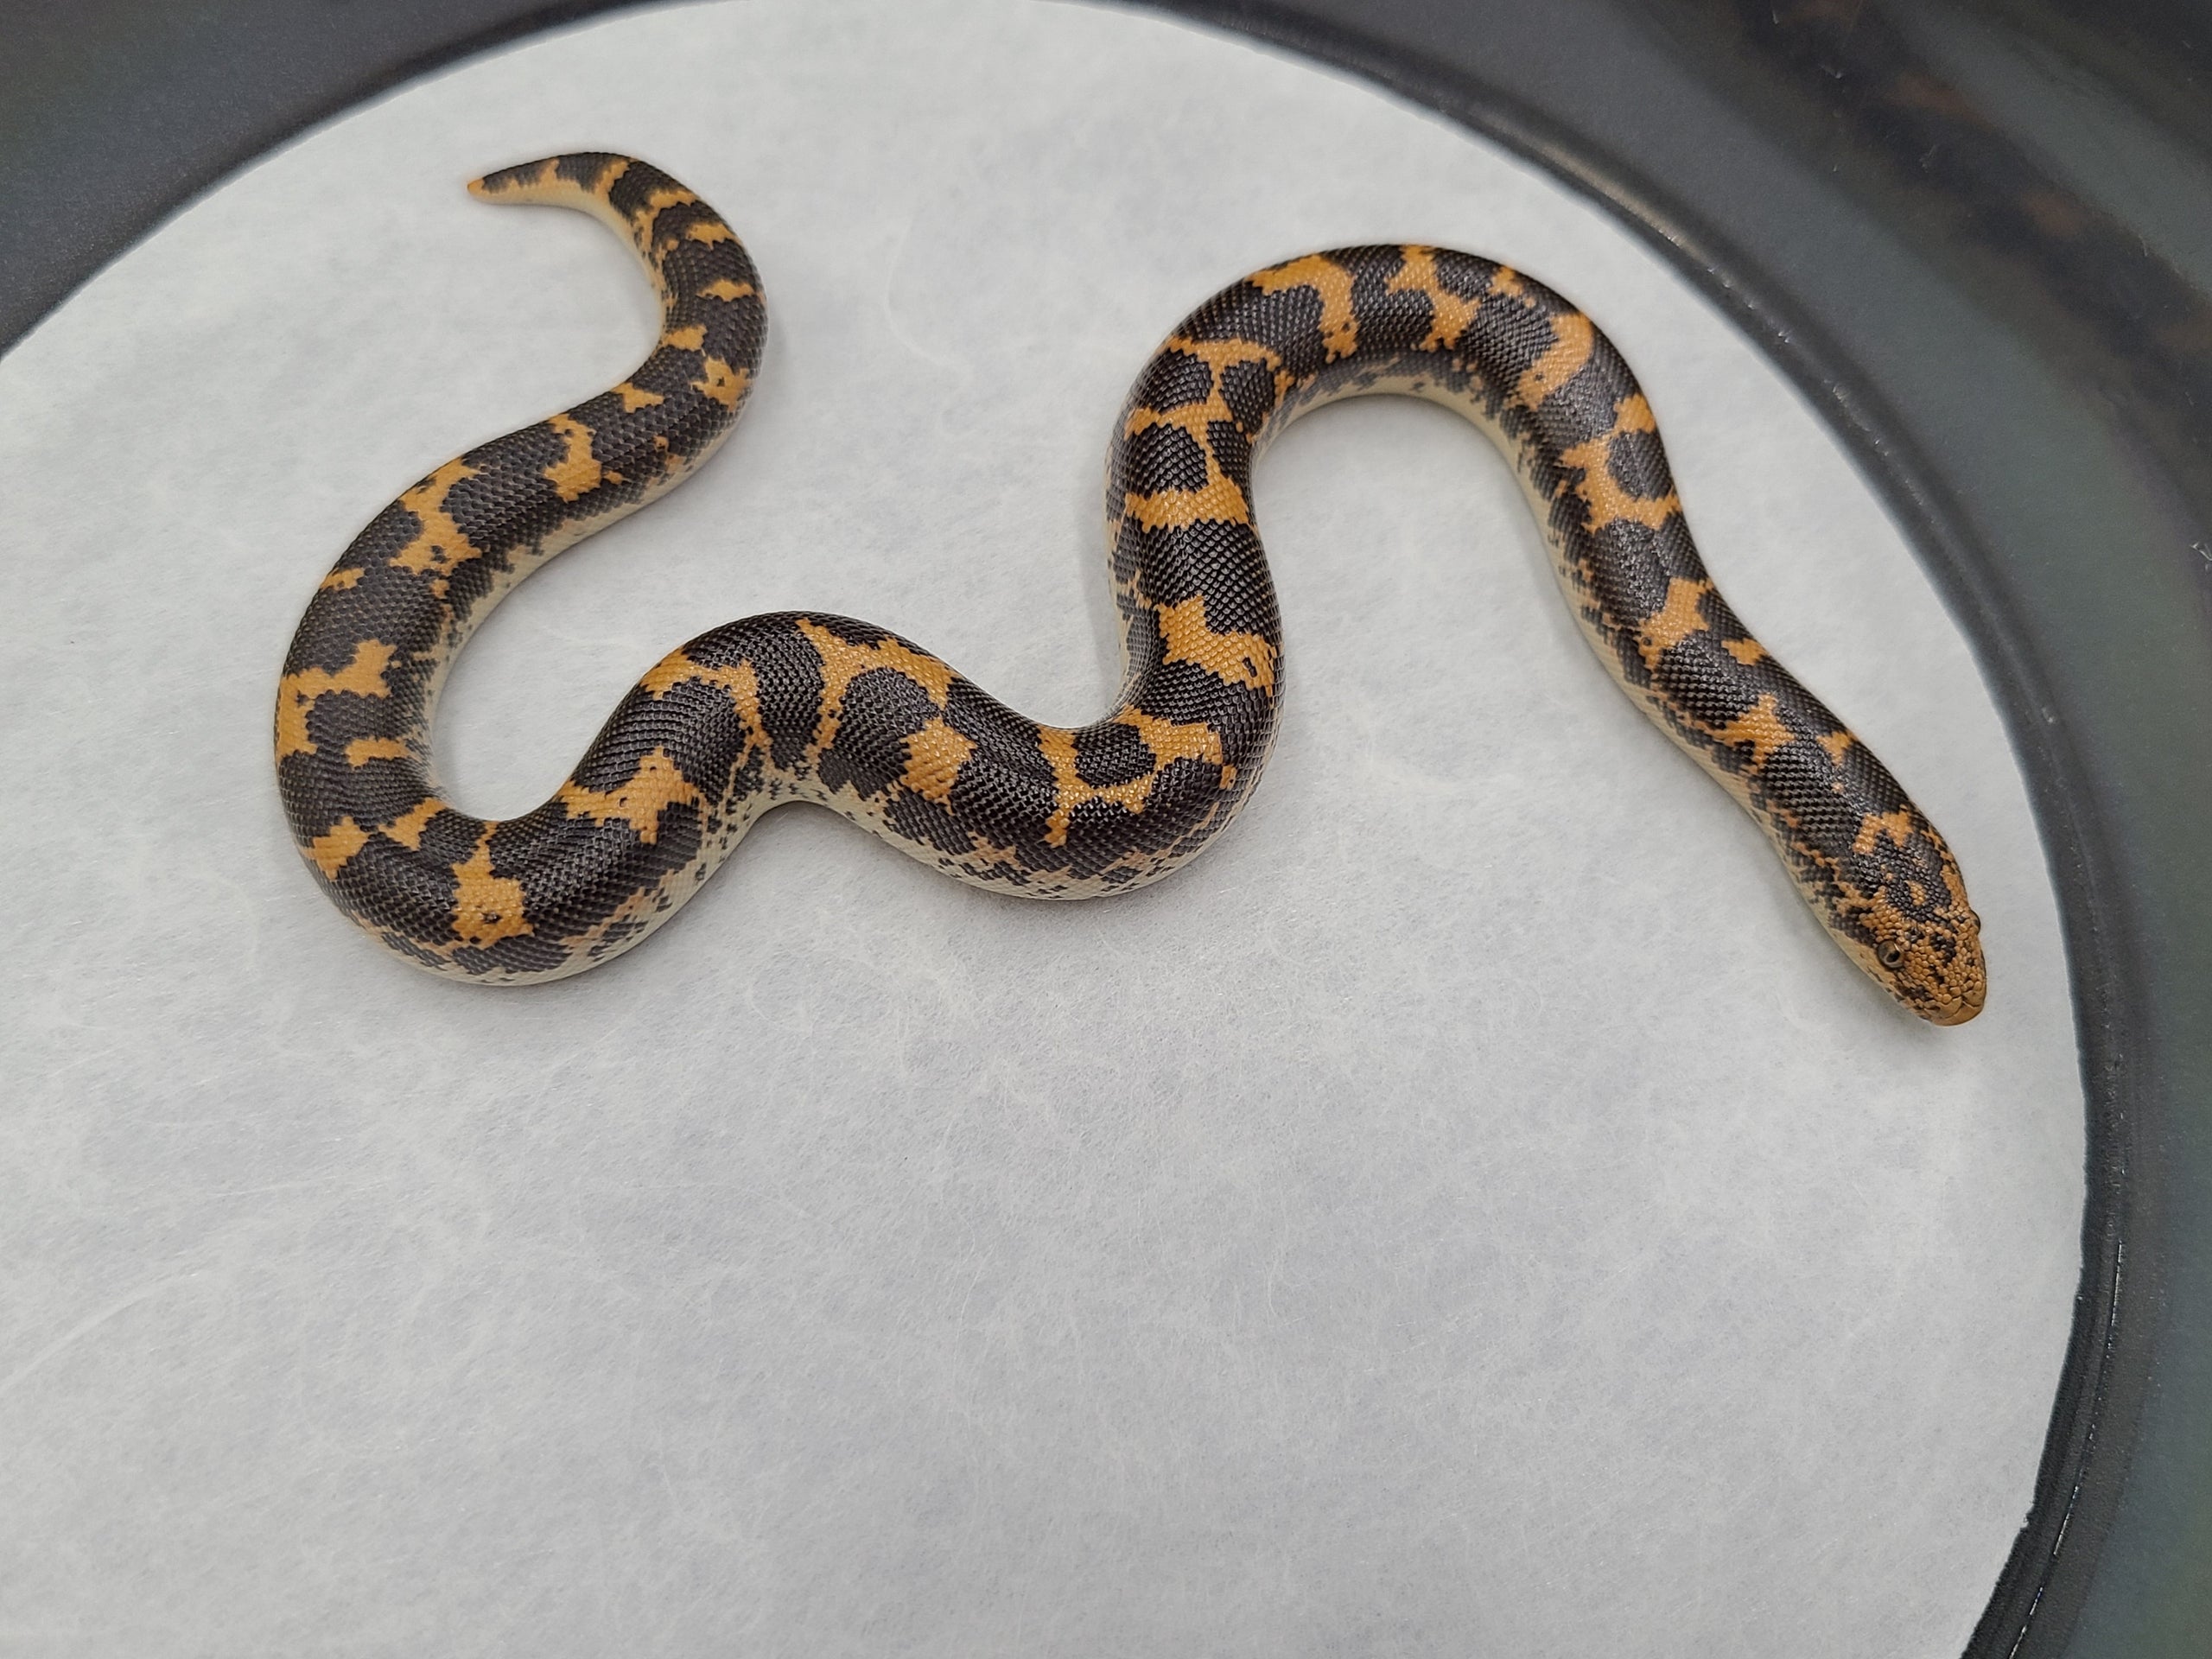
<point>807,706</point>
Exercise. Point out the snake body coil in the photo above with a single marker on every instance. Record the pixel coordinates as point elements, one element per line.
<point>801,706</point>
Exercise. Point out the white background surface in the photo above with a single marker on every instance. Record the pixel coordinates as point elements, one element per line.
<point>1473,1211</point>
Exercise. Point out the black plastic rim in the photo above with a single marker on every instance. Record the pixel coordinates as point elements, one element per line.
<point>1792,159</point>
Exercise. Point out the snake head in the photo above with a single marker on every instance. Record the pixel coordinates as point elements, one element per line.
<point>1933,965</point>
<point>1910,926</point>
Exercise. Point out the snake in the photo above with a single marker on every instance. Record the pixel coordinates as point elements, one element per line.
<point>807,706</point>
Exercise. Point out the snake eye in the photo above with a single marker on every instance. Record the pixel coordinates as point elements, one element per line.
<point>1891,956</point>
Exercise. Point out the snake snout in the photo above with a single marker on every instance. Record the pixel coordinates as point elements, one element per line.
<point>1962,980</point>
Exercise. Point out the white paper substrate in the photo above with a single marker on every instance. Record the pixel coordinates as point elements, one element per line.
<point>1471,1210</point>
